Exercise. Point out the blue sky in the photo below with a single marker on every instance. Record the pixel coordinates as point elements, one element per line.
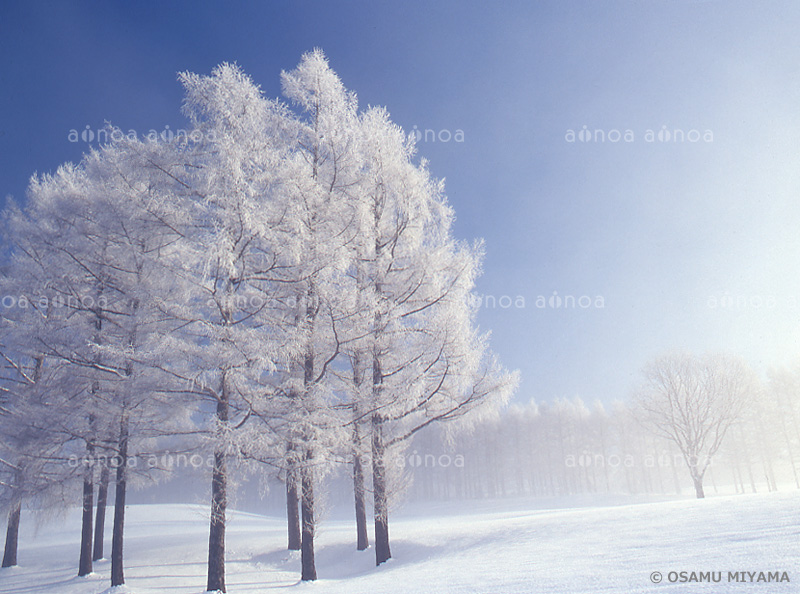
<point>660,230</point>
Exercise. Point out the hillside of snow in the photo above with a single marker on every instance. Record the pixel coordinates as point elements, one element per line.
<point>452,549</point>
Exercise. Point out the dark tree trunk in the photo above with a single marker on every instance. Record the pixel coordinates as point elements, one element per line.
<point>698,487</point>
<point>380,497</point>
<point>380,501</point>
<point>292,506</point>
<point>120,492</point>
<point>307,562</point>
<point>12,536</point>
<point>85,563</point>
<point>100,515</point>
<point>308,570</point>
<point>216,538</point>
<point>219,504</point>
<point>362,538</point>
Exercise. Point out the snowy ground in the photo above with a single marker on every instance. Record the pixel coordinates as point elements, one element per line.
<point>481,548</point>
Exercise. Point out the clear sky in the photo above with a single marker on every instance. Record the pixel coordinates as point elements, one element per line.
<point>658,231</point>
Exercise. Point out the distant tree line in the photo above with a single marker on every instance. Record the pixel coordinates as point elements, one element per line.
<point>567,447</point>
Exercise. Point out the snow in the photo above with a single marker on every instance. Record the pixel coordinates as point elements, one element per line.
<point>491,547</point>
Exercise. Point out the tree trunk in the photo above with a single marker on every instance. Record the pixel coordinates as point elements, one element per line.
<point>713,480</point>
<point>698,487</point>
<point>362,538</point>
<point>292,507</point>
<point>219,504</point>
<point>308,571</point>
<point>308,565</point>
<point>117,537</point>
<point>789,451</point>
<point>748,465</point>
<point>12,536</point>
<point>100,516</point>
<point>85,563</point>
<point>380,497</point>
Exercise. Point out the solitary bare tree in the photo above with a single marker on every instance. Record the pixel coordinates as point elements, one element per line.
<point>692,401</point>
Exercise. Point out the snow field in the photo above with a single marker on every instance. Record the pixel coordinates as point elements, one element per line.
<point>469,549</point>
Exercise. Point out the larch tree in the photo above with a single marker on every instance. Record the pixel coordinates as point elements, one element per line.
<point>228,208</point>
<point>129,215</point>
<point>81,242</point>
<point>67,259</point>
<point>284,276</point>
<point>37,396</point>
<point>325,170</point>
<point>428,364</point>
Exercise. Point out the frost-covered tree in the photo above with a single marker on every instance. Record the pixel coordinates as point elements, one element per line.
<point>325,169</point>
<point>693,401</point>
<point>782,390</point>
<point>63,293</point>
<point>228,208</point>
<point>86,244</point>
<point>427,362</point>
<point>284,277</point>
<point>38,403</point>
<point>20,447</point>
<point>130,218</point>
